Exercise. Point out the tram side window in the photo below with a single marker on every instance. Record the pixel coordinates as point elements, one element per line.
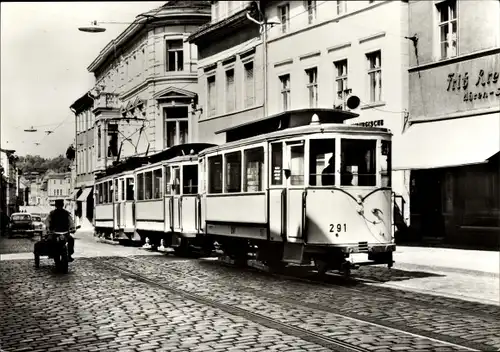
<point>202,177</point>
<point>254,165</point>
<point>190,179</point>
<point>168,186</point>
<point>106,193</point>
<point>130,188</point>
<point>386,164</point>
<point>148,185</point>
<point>110,190</point>
<point>233,172</point>
<point>176,180</point>
<point>297,165</point>
<point>140,186</point>
<point>277,164</point>
<point>358,162</point>
<point>115,188</point>
<point>215,174</point>
<point>122,188</point>
<point>322,162</point>
<point>99,194</point>
<point>157,181</point>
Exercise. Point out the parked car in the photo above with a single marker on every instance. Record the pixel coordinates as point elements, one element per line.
<point>38,224</point>
<point>21,223</point>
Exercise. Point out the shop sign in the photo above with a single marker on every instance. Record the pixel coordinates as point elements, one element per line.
<point>480,86</point>
<point>370,123</point>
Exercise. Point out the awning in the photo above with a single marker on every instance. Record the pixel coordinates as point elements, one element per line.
<point>447,143</point>
<point>85,194</point>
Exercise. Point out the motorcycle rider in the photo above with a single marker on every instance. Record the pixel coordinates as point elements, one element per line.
<point>59,220</point>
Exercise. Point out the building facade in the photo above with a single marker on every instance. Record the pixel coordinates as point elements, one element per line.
<point>145,94</point>
<point>451,145</point>
<point>58,186</point>
<point>9,187</point>
<point>230,70</point>
<point>249,69</point>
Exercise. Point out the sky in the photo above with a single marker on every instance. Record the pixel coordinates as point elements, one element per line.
<point>44,60</point>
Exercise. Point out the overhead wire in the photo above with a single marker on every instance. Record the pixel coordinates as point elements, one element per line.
<point>247,46</point>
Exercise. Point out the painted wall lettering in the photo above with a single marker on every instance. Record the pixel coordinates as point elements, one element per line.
<point>486,79</point>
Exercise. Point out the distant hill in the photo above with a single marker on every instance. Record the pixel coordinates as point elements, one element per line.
<point>35,163</point>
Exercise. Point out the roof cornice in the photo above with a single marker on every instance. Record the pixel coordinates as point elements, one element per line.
<point>164,17</point>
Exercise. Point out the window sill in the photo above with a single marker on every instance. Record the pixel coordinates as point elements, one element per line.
<point>213,117</point>
<point>374,104</point>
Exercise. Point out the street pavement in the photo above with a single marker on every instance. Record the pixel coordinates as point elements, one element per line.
<point>118,298</point>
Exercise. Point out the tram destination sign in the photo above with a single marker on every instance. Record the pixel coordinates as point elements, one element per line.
<point>375,123</point>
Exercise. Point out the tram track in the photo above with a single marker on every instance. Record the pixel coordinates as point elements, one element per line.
<point>325,341</point>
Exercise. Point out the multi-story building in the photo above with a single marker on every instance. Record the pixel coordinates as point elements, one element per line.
<point>230,70</point>
<point>453,139</point>
<point>145,95</point>
<point>292,55</point>
<point>58,186</point>
<point>9,187</point>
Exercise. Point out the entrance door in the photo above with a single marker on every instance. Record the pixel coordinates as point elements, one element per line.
<point>426,203</point>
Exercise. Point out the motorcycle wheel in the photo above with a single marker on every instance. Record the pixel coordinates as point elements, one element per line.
<point>64,260</point>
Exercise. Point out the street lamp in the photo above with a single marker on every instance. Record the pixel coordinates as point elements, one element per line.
<point>96,28</point>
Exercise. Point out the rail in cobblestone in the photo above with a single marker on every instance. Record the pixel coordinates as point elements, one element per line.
<point>454,343</point>
<point>301,333</point>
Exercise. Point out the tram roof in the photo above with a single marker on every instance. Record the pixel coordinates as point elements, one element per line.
<point>179,150</point>
<point>301,131</point>
<point>284,120</point>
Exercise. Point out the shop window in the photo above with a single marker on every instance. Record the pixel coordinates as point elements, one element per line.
<point>148,185</point>
<point>215,174</point>
<point>357,164</point>
<point>254,166</point>
<point>297,164</point>
<point>386,163</point>
<point>175,55</point>
<point>322,162</point>
<point>140,186</point>
<point>233,172</point>
<point>157,183</point>
<point>130,188</point>
<point>277,164</point>
<point>190,179</point>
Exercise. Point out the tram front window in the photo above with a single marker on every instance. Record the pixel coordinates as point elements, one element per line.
<point>190,179</point>
<point>322,162</point>
<point>357,166</point>
<point>130,189</point>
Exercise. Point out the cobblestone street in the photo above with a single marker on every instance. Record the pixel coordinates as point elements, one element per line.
<point>119,298</point>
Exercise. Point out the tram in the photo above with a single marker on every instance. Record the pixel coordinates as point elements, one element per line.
<point>300,187</point>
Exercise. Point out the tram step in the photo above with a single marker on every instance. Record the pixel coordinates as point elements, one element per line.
<point>293,253</point>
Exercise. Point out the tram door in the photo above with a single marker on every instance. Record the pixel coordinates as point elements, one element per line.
<point>177,199</point>
<point>287,191</point>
